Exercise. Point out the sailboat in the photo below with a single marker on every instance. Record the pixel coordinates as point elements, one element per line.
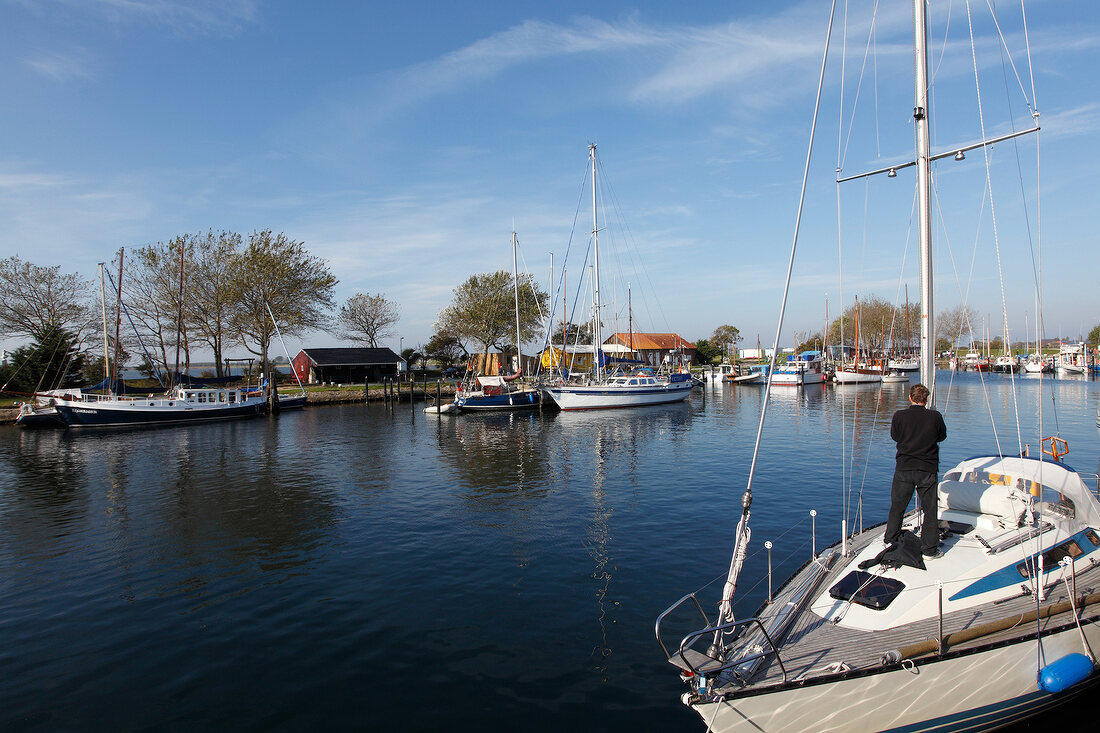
<point>855,372</point>
<point>182,404</point>
<point>614,390</point>
<point>500,392</point>
<point>998,628</point>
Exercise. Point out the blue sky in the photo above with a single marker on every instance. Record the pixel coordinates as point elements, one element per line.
<point>400,141</point>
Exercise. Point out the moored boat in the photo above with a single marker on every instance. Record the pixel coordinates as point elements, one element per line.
<point>996,625</point>
<point>805,369</point>
<point>182,405</point>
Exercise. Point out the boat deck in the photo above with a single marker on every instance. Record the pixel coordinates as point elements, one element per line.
<point>816,646</point>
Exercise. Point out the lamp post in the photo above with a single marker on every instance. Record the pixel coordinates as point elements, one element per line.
<point>400,348</point>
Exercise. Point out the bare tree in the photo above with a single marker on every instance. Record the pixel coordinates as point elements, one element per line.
<point>36,301</point>
<point>366,318</point>
<point>953,323</point>
<point>210,302</point>
<point>152,293</point>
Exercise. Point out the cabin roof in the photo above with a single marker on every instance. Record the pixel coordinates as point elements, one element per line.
<point>342,356</point>
<point>651,341</point>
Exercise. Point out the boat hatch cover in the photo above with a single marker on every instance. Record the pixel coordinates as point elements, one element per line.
<point>873,591</point>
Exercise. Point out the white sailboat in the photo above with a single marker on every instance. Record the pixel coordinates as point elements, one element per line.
<point>620,390</point>
<point>999,628</point>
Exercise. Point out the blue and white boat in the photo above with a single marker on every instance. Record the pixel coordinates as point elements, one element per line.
<point>998,627</point>
<point>496,393</point>
<point>500,392</point>
<point>806,368</point>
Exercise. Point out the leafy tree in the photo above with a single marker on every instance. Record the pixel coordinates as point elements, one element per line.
<point>366,318</point>
<point>813,342</point>
<point>706,352</point>
<point>51,362</point>
<point>273,270</point>
<point>412,357</point>
<point>483,310</point>
<point>571,333</point>
<point>445,349</point>
<point>1094,336</point>
<point>37,301</point>
<point>726,338</point>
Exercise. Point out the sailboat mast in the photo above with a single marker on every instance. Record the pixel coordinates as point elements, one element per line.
<point>924,197</point>
<point>106,345</point>
<point>596,336</point>
<point>515,288</point>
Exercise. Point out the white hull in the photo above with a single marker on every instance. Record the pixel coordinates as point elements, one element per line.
<point>603,397</point>
<point>1070,369</point>
<point>845,377</point>
<point>798,379</point>
<point>971,692</point>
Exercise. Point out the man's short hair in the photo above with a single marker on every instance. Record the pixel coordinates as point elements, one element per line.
<point>919,393</point>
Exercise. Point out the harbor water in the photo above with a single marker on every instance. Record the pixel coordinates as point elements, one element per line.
<point>376,568</point>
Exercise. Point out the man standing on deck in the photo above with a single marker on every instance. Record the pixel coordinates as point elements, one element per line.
<point>918,431</point>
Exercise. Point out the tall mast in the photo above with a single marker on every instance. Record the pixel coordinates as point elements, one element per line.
<point>106,346</point>
<point>924,197</point>
<point>118,318</point>
<point>515,288</point>
<point>596,336</point>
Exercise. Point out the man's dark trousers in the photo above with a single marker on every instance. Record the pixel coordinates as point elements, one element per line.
<point>901,491</point>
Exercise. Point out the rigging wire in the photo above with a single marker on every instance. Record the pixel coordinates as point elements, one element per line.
<point>987,154</point>
<point>794,247</point>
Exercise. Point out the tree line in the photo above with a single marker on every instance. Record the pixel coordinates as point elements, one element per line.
<point>161,302</point>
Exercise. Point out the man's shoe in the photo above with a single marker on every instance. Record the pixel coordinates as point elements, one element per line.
<point>933,556</point>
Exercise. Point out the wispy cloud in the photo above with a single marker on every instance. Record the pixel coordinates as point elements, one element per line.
<point>205,17</point>
<point>61,66</point>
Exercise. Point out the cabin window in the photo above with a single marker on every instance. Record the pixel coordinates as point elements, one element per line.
<point>221,396</point>
<point>633,381</point>
<point>1053,556</point>
<point>232,397</point>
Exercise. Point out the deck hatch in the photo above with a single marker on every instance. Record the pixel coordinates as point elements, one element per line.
<point>872,591</point>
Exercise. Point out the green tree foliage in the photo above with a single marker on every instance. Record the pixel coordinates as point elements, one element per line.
<point>37,301</point>
<point>50,362</point>
<point>706,352</point>
<point>1094,336</point>
<point>445,349</point>
<point>571,333</point>
<point>274,270</point>
<point>366,318</point>
<point>483,310</point>
<point>813,342</point>
<point>726,338</point>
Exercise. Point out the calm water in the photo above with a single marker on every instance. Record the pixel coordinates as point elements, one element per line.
<point>355,567</point>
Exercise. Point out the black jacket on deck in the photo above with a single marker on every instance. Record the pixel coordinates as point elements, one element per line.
<point>918,432</point>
